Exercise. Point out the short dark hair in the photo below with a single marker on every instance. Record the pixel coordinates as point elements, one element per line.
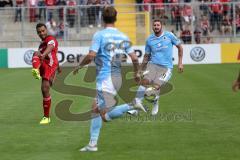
<point>109,14</point>
<point>40,25</point>
<point>157,20</point>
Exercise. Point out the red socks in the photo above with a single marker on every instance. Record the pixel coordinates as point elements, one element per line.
<point>46,106</point>
<point>35,61</point>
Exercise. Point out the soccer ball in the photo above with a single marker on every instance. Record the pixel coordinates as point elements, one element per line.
<point>150,94</point>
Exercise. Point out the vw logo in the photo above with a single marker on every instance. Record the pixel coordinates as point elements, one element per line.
<point>197,54</point>
<point>28,56</point>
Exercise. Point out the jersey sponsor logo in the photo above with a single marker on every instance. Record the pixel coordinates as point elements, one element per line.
<point>28,57</point>
<point>197,54</point>
<point>120,45</point>
<point>51,43</point>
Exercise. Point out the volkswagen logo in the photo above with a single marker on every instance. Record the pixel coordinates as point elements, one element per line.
<point>197,54</point>
<point>28,56</point>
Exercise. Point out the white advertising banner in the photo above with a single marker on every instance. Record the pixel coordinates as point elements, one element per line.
<point>199,54</point>
<point>22,57</point>
<point>192,54</point>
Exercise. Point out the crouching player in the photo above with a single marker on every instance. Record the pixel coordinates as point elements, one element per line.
<point>45,64</point>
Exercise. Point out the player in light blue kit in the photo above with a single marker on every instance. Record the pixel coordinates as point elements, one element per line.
<point>107,48</point>
<point>158,59</point>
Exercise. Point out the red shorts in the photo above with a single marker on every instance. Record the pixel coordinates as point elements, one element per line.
<point>47,72</point>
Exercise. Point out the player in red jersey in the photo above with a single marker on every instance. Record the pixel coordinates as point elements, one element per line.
<point>45,64</point>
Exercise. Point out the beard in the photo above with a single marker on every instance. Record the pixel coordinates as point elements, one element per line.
<point>158,31</point>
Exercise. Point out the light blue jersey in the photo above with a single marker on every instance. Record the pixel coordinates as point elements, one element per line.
<point>161,48</point>
<point>109,44</point>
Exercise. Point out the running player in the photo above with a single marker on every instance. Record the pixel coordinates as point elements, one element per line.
<point>157,62</point>
<point>107,48</point>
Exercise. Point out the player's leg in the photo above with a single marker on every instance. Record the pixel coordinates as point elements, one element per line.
<point>48,73</point>
<point>46,101</point>
<point>148,77</point>
<point>108,113</point>
<point>162,77</point>
<point>96,124</point>
<point>36,63</point>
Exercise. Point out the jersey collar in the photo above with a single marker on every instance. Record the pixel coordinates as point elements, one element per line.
<point>159,36</point>
<point>113,28</point>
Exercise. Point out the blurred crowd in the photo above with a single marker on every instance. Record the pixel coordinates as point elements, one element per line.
<point>193,22</point>
<point>196,23</point>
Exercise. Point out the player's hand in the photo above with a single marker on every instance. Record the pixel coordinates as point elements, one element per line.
<point>42,57</point>
<point>75,71</point>
<point>236,86</point>
<point>59,69</point>
<point>180,68</point>
<point>38,53</point>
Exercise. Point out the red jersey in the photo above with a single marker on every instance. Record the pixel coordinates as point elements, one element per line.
<point>50,2</point>
<point>51,59</point>
<point>71,3</point>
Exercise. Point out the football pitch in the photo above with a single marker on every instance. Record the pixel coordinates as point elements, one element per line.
<point>198,120</point>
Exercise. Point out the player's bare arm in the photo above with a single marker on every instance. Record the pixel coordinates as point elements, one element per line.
<point>236,84</point>
<point>145,62</point>
<point>180,56</point>
<point>87,60</point>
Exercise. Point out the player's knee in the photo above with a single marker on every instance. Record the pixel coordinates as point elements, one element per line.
<point>45,88</point>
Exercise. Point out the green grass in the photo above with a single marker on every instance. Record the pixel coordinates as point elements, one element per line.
<point>212,133</point>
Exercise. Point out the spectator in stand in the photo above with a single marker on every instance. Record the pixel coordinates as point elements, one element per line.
<point>55,29</point>
<point>171,7</point>
<point>93,12</point>
<point>237,6</point>
<point>147,7</point>
<point>83,13</point>
<point>186,35</point>
<point>103,3</point>
<point>139,5</point>
<point>216,14</point>
<point>225,6</point>
<point>5,3</point>
<point>41,10</point>
<point>49,5</point>
<point>71,12</point>
<point>177,16</point>
<point>226,27</point>
<point>52,27</point>
<point>60,31</point>
<point>18,11</point>
<point>204,7</point>
<point>197,35</point>
<point>237,23</point>
<point>205,26</point>
<point>159,11</point>
<point>188,14</point>
<point>32,10</point>
<point>61,3</point>
<point>208,40</point>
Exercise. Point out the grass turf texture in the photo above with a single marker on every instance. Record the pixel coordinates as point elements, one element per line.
<point>205,90</point>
